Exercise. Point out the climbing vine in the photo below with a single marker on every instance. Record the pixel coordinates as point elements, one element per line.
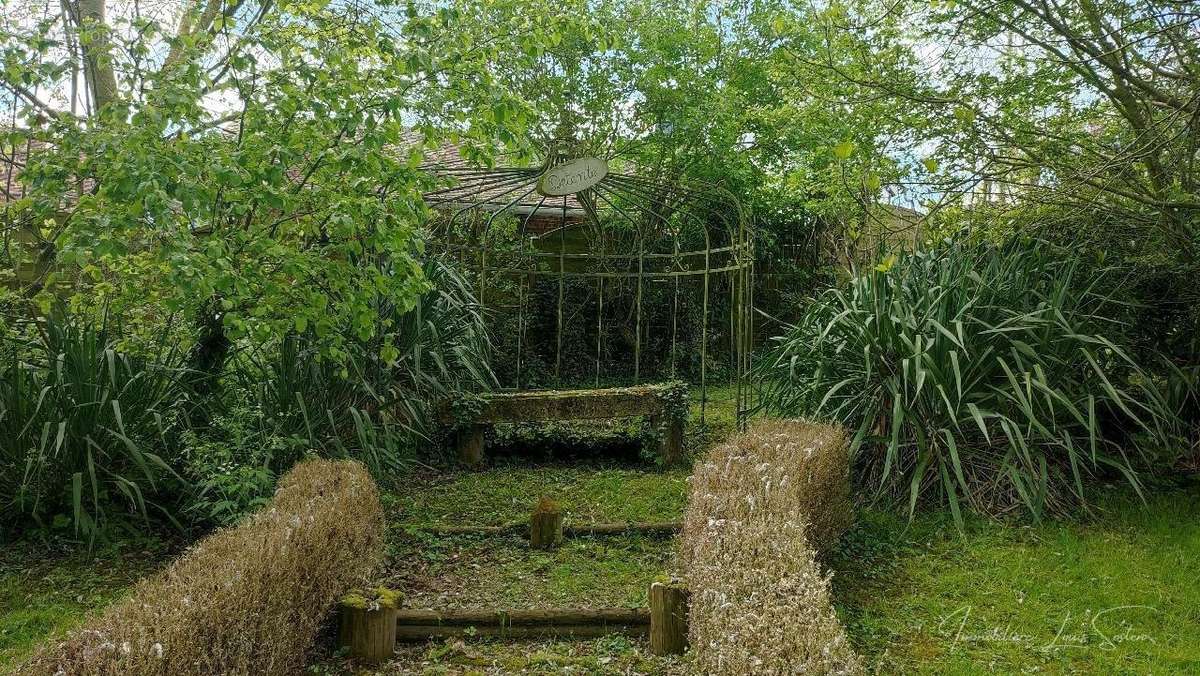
<point>465,410</point>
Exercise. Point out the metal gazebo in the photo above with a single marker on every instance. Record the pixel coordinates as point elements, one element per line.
<point>662,268</point>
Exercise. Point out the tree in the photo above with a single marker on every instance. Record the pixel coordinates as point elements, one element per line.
<point>255,166</point>
<point>1082,106</point>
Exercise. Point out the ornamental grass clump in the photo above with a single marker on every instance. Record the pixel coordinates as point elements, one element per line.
<point>972,373</point>
<point>760,508</point>
<point>83,424</point>
<point>248,599</point>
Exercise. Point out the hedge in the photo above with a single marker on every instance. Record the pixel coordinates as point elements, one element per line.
<point>247,599</point>
<point>760,507</point>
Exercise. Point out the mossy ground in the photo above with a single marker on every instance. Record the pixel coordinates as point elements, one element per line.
<point>502,571</point>
<point>1116,593</point>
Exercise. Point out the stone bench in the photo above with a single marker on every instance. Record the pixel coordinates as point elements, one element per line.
<point>665,405</point>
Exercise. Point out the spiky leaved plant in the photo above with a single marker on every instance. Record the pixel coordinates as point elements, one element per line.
<point>991,375</point>
<point>82,426</point>
<point>375,403</point>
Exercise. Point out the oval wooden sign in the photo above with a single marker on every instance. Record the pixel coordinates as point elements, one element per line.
<point>571,177</point>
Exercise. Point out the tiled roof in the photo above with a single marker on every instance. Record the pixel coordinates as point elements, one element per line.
<point>13,161</point>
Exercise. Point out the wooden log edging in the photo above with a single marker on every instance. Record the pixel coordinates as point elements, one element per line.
<point>432,632</point>
<point>648,528</point>
<point>422,625</point>
<point>659,528</point>
<point>664,622</point>
<point>545,616</point>
<point>419,633</point>
<point>521,529</point>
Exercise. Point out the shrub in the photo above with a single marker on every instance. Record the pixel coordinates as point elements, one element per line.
<point>375,404</point>
<point>760,602</point>
<point>1181,388</point>
<point>988,374</point>
<point>227,479</point>
<point>248,599</point>
<point>81,426</point>
<point>282,401</point>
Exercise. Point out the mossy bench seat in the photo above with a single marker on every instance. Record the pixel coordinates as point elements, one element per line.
<point>652,401</point>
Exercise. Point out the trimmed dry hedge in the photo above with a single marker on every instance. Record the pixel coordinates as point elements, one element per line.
<point>248,599</point>
<point>760,601</point>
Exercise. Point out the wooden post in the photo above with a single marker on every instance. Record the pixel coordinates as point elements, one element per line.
<point>470,445</point>
<point>668,618</point>
<point>369,633</point>
<point>670,443</point>
<point>546,525</point>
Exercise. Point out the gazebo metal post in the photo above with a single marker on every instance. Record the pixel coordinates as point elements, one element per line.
<point>599,324</point>
<point>675,306</point>
<point>637,344</point>
<point>520,324</point>
<point>562,278</point>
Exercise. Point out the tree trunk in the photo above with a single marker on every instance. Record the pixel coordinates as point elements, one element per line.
<point>196,18</point>
<point>95,46</point>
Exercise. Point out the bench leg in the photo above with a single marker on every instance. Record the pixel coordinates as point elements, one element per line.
<point>670,444</point>
<point>470,445</point>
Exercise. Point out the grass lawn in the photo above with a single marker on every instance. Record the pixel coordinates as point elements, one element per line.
<point>46,590</point>
<point>1117,594</point>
